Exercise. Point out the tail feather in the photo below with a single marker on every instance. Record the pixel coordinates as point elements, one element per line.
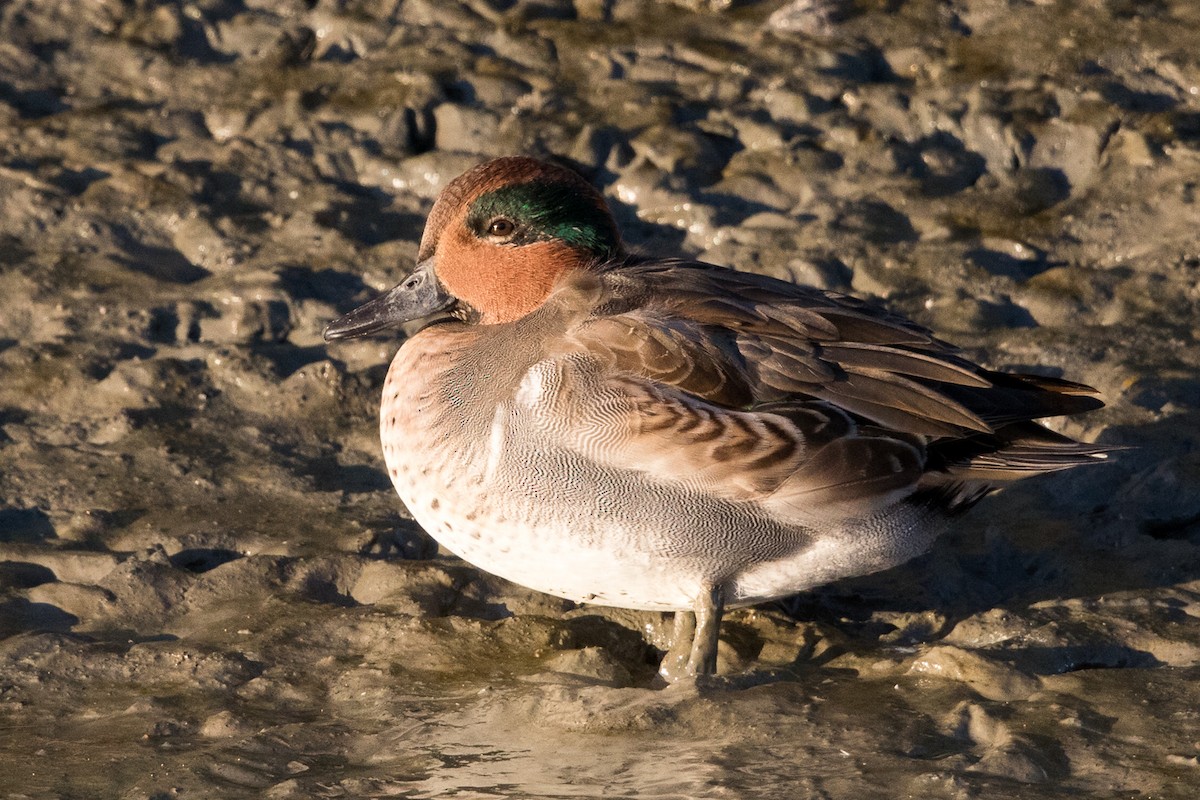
<point>960,472</point>
<point>1014,451</point>
<point>1015,398</point>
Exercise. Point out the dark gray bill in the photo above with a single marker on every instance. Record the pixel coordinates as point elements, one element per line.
<point>419,295</point>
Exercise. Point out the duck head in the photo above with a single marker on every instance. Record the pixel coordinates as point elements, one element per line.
<point>498,240</point>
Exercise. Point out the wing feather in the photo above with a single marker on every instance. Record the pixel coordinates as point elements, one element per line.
<point>756,390</point>
<point>740,339</point>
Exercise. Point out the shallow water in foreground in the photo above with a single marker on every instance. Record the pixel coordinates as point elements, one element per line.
<point>207,587</point>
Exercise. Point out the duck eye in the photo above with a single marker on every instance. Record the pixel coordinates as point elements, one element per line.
<point>501,227</point>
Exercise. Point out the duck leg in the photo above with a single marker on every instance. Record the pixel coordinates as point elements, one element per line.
<point>709,607</point>
<point>674,663</point>
<point>694,638</point>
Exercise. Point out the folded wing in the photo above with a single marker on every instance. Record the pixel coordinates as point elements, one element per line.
<point>760,390</point>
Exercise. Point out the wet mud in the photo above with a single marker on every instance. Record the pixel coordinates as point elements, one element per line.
<point>207,586</point>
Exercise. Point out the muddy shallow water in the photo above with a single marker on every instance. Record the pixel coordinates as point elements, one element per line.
<point>207,587</point>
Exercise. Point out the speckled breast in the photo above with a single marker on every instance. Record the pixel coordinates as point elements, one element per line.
<point>430,444</point>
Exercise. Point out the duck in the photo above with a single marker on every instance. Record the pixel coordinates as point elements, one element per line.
<point>670,435</point>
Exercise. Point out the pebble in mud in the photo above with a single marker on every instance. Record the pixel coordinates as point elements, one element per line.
<point>189,193</point>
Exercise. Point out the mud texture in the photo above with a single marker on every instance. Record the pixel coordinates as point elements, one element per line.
<point>207,587</point>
